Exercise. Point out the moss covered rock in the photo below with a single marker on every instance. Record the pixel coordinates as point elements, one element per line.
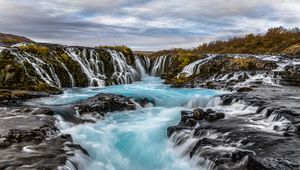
<point>15,75</point>
<point>293,50</point>
<point>222,65</point>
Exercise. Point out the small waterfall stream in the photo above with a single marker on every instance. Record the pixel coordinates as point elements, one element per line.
<point>194,68</point>
<point>123,72</point>
<point>49,76</point>
<point>94,78</point>
<point>139,66</point>
<point>70,75</point>
<point>160,65</point>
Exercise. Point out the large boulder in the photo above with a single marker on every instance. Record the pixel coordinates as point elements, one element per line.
<point>290,75</point>
<point>103,103</point>
<point>31,138</point>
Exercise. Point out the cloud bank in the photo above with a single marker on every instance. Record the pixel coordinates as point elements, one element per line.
<point>143,24</point>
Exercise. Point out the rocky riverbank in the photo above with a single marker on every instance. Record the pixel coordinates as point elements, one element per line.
<point>30,137</point>
<point>260,129</point>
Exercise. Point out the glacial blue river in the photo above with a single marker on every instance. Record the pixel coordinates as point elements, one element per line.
<point>135,140</point>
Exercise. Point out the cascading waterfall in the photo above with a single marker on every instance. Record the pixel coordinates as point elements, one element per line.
<point>123,73</point>
<point>139,66</point>
<point>70,75</point>
<point>146,63</point>
<point>94,77</point>
<point>194,68</point>
<point>160,65</point>
<point>91,64</point>
<point>38,65</point>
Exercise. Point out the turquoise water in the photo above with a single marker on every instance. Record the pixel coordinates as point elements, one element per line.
<point>135,140</point>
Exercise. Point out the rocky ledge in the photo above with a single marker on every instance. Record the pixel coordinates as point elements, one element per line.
<point>103,103</point>
<point>251,134</point>
<point>29,139</point>
<point>15,97</point>
<point>209,73</point>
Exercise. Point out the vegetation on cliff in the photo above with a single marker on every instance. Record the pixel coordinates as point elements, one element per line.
<point>277,40</point>
<point>274,41</point>
<point>13,76</point>
<point>35,49</point>
<point>222,65</point>
<point>126,51</point>
<point>10,39</point>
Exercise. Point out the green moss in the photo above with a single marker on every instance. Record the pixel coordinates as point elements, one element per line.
<point>293,50</point>
<point>73,67</point>
<point>45,88</point>
<point>224,64</point>
<point>9,41</point>
<point>35,49</point>
<point>126,51</point>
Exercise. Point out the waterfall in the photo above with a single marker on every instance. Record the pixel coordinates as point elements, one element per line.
<point>160,65</point>
<point>70,75</point>
<point>139,66</point>
<point>48,68</point>
<point>94,76</point>
<point>123,73</point>
<point>39,66</point>
<point>194,67</point>
<point>146,63</point>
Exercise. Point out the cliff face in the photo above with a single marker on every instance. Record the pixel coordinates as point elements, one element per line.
<point>50,68</point>
<point>41,67</point>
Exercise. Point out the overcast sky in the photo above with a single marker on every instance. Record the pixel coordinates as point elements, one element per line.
<point>143,24</point>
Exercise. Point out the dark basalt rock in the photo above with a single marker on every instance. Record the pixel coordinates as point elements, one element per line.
<point>189,119</point>
<point>290,75</point>
<point>103,103</point>
<point>244,89</point>
<point>214,117</point>
<point>298,128</point>
<point>14,97</point>
<point>30,137</point>
<point>248,99</point>
<point>239,146</point>
<point>199,114</point>
<point>172,129</point>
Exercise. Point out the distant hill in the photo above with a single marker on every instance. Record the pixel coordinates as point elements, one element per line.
<point>10,39</point>
<point>277,40</point>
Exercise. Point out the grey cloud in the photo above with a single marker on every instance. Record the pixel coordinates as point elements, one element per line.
<point>141,24</point>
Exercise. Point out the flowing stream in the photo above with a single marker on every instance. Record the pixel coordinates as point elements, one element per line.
<point>134,140</point>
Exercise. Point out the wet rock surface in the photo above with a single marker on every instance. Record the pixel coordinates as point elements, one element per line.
<point>104,103</point>
<point>14,97</point>
<point>255,133</point>
<point>290,75</point>
<point>29,139</point>
<point>260,129</point>
<point>242,74</point>
<point>221,71</point>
